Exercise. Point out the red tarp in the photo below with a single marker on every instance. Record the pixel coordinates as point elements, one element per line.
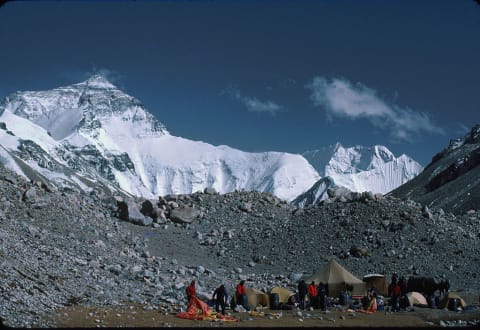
<point>198,310</point>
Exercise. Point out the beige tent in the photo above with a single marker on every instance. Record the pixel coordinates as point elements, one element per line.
<point>377,281</point>
<point>337,278</point>
<point>444,303</point>
<point>256,298</point>
<point>416,298</point>
<point>283,293</point>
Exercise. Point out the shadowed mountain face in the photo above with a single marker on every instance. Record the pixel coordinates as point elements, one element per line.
<point>452,180</point>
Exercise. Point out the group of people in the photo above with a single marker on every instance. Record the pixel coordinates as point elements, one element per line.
<point>220,295</point>
<point>317,295</point>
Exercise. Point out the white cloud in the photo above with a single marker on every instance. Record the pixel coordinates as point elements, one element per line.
<point>339,97</point>
<point>111,75</point>
<point>252,103</point>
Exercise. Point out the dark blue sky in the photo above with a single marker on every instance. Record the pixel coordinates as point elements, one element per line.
<point>265,75</point>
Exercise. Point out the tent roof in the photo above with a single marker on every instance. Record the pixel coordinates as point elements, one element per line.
<point>452,295</point>
<point>416,298</point>
<point>283,293</point>
<point>372,276</point>
<point>333,272</point>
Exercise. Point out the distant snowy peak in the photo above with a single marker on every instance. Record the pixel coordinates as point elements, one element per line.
<point>84,106</point>
<point>91,132</point>
<point>361,168</point>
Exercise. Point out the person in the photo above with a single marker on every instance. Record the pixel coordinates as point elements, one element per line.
<point>312,294</point>
<point>191,291</point>
<point>220,297</point>
<point>372,291</point>
<point>302,293</point>
<point>240,293</point>
<point>395,297</point>
<point>402,282</point>
<point>322,295</point>
<point>393,282</point>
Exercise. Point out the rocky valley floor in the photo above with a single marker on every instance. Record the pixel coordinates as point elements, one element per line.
<point>63,249</point>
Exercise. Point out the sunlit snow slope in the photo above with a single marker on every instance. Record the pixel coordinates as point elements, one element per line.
<point>93,132</point>
<point>361,168</point>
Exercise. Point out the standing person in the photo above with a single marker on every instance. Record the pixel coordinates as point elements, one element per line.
<point>302,293</point>
<point>240,293</point>
<point>403,285</point>
<point>395,297</point>
<point>312,294</point>
<point>322,295</point>
<point>393,282</point>
<point>220,297</point>
<point>191,291</point>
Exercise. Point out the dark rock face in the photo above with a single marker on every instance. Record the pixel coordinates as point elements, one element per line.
<point>460,167</point>
<point>452,180</point>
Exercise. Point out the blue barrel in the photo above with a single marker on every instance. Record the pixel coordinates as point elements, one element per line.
<point>274,301</point>
<point>453,304</point>
<point>345,299</point>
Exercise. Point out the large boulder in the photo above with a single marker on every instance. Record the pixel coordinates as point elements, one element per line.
<point>184,214</point>
<point>337,192</point>
<point>149,209</point>
<point>129,211</point>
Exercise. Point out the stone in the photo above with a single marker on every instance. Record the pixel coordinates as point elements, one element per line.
<point>184,214</point>
<point>30,195</point>
<point>246,207</point>
<point>210,191</point>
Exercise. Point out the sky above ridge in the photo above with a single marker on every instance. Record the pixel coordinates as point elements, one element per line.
<point>258,75</point>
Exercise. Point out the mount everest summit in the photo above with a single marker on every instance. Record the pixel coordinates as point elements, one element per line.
<point>91,135</point>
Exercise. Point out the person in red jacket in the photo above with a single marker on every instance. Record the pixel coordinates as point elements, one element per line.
<point>395,297</point>
<point>312,294</point>
<point>191,291</point>
<point>240,292</point>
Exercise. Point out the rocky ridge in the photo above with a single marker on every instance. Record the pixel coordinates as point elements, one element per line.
<point>60,248</point>
<point>452,179</point>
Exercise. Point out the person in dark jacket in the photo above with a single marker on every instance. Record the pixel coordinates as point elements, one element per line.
<point>322,296</point>
<point>220,297</point>
<point>302,293</point>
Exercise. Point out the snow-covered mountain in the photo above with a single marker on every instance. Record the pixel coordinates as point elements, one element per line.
<point>91,133</point>
<point>360,169</point>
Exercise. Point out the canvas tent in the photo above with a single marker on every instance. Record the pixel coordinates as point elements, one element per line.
<point>255,298</point>
<point>416,299</point>
<point>445,302</point>
<point>378,281</point>
<point>283,294</point>
<point>337,278</point>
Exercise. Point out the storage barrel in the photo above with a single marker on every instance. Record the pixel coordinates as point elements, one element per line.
<point>274,301</point>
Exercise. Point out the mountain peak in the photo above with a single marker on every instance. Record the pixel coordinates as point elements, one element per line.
<point>98,81</point>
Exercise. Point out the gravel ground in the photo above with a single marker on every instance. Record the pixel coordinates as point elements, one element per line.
<point>63,249</point>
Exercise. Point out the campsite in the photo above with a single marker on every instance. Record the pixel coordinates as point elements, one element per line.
<point>263,311</point>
